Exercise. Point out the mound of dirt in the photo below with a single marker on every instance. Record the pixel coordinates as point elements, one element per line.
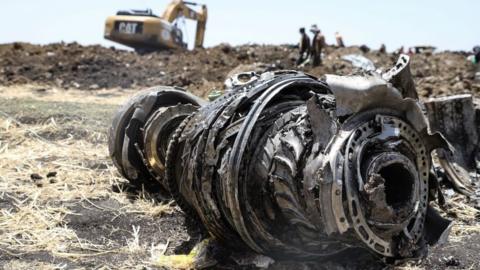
<point>93,67</point>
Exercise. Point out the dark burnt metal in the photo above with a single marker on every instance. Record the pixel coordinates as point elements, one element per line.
<point>454,117</point>
<point>289,165</point>
<point>126,144</point>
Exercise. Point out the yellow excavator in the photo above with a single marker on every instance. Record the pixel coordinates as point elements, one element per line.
<point>146,32</point>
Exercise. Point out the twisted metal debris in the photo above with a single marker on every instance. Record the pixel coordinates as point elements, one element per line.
<point>289,165</point>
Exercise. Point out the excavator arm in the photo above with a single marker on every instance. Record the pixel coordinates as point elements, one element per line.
<point>179,8</point>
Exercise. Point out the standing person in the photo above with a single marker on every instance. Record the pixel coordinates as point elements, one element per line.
<point>400,50</point>
<point>476,52</point>
<point>318,43</point>
<point>383,48</point>
<point>339,40</point>
<point>304,46</point>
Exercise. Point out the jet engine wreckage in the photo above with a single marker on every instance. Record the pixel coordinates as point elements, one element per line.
<point>289,165</point>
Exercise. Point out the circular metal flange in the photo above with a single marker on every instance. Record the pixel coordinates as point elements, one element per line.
<point>391,127</point>
<point>158,130</point>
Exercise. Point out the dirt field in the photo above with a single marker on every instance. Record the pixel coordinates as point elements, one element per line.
<point>95,67</point>
<point>63,204</point>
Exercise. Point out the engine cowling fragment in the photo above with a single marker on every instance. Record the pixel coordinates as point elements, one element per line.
<point>289,165</point>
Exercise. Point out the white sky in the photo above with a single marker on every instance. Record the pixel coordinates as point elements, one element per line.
<point>446,24</point>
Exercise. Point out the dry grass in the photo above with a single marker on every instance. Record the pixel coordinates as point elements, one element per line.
<point>18,264</point>
<point>49,93</point>
<point>467,219</point>
<point>35,222</point>
<point>22,152</point>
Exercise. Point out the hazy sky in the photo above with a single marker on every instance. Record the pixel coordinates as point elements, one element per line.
<point>446,24</point>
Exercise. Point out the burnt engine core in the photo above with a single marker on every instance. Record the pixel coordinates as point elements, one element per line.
<point>289,165</point>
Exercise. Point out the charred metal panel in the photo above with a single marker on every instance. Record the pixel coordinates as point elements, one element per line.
<point>455,118</point>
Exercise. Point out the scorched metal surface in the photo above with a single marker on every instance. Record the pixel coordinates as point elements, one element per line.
<point>289,165</point>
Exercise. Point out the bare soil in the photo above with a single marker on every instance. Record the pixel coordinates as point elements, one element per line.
<point>201,70</point>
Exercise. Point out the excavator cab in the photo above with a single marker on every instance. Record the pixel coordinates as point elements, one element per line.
<point>145,32</point>
<point>135,12</point>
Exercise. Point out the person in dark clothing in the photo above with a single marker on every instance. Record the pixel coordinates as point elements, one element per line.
<point>476,51</point>
<point>304,46</point>
<point>318,43</point>
<point>383,49</point>
<point>339,40</point>
<point>476,60</point>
